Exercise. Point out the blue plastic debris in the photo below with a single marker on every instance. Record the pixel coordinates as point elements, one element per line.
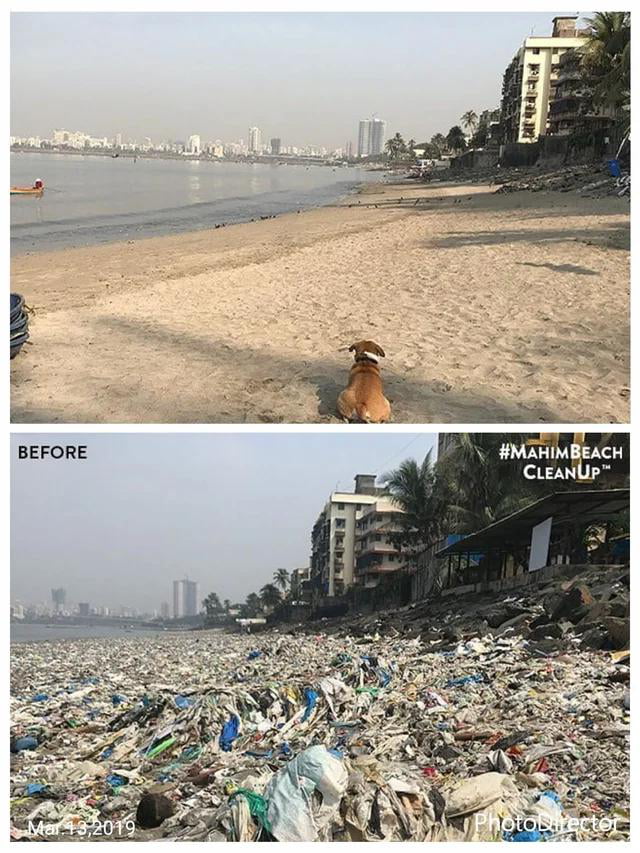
<point>477,678</point>
<point>256,653</point>
<point>35,788</point>
<point>257,753</point>
<point>229,733</point>
<point>116,699</point>
<point>40,697</point>
<point>311,697</point>
<point>384,677</point>
<point>116,781</point>
<point>523,835</point>
<point>27,742</point>
<point>183,702</point>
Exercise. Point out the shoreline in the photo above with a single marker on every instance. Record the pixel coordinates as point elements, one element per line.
<point>244,324</point>
<point>355,189</point>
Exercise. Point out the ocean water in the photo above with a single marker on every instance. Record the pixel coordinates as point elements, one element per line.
<point>22,632</point>
<point>90,200</point>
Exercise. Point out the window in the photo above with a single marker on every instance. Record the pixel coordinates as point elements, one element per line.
<point>555,50</point>
<point>339,522</point>
<point>378,537</point>
<point>536,50</point>
<point>358,506</point>
<point>340,506</point>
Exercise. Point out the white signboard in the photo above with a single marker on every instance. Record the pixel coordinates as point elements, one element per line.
<point>540,538</point>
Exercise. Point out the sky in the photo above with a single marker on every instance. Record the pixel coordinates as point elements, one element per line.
<point>305,77</point>
<point>225,509</point>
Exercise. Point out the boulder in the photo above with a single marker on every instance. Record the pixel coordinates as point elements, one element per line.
<point>618,632</point>
<point>574,604</point>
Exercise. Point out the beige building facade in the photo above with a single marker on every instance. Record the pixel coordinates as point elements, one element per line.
<point>530,80</point>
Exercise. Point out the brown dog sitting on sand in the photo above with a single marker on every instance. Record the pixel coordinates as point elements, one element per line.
<point>362,399</point>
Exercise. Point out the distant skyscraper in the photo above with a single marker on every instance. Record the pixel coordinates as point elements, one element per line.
<point>276,145</point>
<point>185,598</point>
<point>364,132</point>
<point>193,144</point>
<point>164,610</point>
<point>83,608</point>
<point>254,140</point>
<point>371,133</point>
<point>376,136</point>
<point>349,150</point>
<point>59,598</point>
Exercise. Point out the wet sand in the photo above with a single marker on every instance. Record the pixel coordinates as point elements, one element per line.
<point>491,308</point>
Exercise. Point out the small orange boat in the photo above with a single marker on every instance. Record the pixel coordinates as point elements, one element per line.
<point>36,189</point>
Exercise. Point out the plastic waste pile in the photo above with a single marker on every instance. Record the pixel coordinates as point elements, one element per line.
<point>194,737</point>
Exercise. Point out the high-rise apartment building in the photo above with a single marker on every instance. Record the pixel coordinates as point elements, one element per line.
<point>528,86</point>
<point>334,535</point>
<point>376,552</point>
<point>193,144</point>
<point>371,134</point>
<point>376,137</point>
<point>185,598</point>
<point>364,132</point>
<point>59,599</point>
<point>276,145</point>
<point>254,140</point>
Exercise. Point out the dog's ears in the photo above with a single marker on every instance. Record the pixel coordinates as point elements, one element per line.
<point>352,347</point>
<point>380,351</point>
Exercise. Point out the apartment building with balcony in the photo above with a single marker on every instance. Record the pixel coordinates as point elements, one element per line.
<point>530,80</point>
<point>334,534</point>
<point>376,553</point>
<point>573,109</point>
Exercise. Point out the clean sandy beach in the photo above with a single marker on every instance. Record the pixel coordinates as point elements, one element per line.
<point>491,307</point>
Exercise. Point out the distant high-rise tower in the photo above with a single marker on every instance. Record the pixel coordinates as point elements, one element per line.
<point>59,598</point>
<point>376,136</point>
<point>276,145</point>
<point>254,140</point>
<point>371,133</point>
<point>193,144</point>
<point>364,133</point>
<point>185,598</point>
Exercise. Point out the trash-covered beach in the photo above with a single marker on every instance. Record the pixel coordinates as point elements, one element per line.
<point>373,734</point>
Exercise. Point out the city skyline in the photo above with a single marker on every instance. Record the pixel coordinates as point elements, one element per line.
<point>144,510</point>
<point>155,88</point>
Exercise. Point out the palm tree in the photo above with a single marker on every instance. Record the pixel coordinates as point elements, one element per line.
<point>227,605</point>
<point>281,579</point>
<point>439,141</point>
<point>456,139</point>
<point>417,492</point>
<point>395,147</point>
<point>270,595</point>
<point>411,144</point>
<point>483,488</point>
<point>607,57</point>
<point>212,605</point>
<point>469,120</point>
<point>252,604</point>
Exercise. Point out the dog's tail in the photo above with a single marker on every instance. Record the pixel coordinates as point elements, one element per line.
<point>363,413</point>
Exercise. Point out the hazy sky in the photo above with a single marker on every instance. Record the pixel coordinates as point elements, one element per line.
<point>225,509</point>
<point>307,77</point>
